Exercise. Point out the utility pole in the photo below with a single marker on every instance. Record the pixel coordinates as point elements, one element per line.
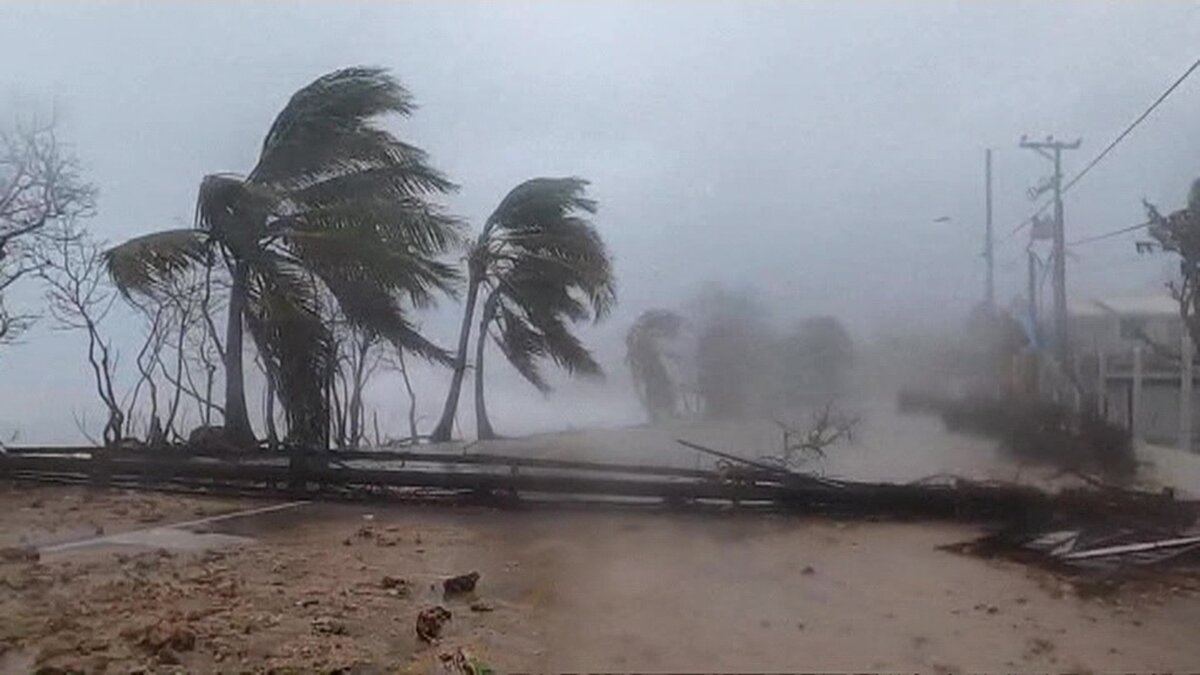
<point>1052,150</point>
<point>1033,305</point>
<point>989,291</point>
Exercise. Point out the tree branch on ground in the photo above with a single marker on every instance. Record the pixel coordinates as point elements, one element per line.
<point>826,428</point>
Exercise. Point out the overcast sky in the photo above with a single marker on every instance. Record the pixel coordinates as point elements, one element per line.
<point>800,148</point>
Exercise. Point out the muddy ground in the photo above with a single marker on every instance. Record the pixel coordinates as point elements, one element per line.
<point>322,587</point>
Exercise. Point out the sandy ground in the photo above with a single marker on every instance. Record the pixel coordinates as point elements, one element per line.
<point>595,590</point>
<point>45,516</point>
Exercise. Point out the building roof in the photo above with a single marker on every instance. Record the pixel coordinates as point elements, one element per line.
<point>1159,305</point>
<point>1146,305</point>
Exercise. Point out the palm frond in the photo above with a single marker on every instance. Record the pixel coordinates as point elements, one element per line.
<point>537,232</point>
<point>566,349</point>
<point>539,202</point>
<point>401,179</point>
<point>367,306</point>
<point>359,255</point>
<point>527,336</point>
<point>326,129</point>
<point>521,345</point>
<point>148,264</point>
<point>405,221</point>
<point>283,315</point>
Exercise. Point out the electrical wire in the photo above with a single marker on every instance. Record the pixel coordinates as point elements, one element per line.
<point>1104,153</point>
<point>1133,125</point>
<point>1107,235</point>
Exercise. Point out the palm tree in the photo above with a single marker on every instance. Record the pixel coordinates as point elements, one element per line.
<point>336,208</point>
<point>541,265</point>
<point>648,360</point>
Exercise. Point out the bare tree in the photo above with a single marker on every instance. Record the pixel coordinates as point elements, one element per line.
<point>394,360</point>
<point>194,344</point>
<point>79,297</point>
<point>402,367</point>
<point>40,190</point>
<point>359,357</point>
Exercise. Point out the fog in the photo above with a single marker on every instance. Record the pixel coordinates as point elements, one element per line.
<point>826,156</point>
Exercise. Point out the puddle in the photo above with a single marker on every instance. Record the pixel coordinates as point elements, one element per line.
<point>169,538</point>
<point>192,535</point>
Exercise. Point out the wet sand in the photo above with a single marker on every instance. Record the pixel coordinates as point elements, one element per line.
<point>596,590</point>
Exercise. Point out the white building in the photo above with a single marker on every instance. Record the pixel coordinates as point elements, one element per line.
<point>1134,344</point>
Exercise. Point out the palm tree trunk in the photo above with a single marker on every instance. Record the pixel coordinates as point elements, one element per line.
<point>237,418</point>
<point>483,426</point>
<point>441,432</point>
<point>272,432</point>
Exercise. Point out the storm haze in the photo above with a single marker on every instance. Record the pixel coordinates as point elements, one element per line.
<point>828,156</point>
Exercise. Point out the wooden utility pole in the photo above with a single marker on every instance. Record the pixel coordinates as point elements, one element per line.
<point>1052,150</point>
<point>989,291</point>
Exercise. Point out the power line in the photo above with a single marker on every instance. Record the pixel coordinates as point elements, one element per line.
<point>1107,235</point>
<point>1021,225</point>
<point>1133,125</point>
<point>1104,153</point>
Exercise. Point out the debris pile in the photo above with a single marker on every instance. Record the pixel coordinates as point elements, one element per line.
<point>1097,547</point>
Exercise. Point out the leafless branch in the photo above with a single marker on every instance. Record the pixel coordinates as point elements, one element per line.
<point>79,298</point>
<point>41,190</point>
<point>826,428</point>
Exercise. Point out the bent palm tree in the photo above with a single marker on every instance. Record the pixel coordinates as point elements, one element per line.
<point>542,265</point>
<point>335,207</point>
<point>646,355</point>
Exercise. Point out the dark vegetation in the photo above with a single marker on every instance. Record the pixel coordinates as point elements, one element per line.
<point>653,362</point>
<point>1037,432</point>
<point>722,357</point>
<point>1179,233</point>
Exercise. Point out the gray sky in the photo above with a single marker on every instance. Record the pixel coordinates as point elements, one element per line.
<point>801,148</point>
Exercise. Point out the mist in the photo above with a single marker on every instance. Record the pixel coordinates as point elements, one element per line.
<point>827,155</point>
